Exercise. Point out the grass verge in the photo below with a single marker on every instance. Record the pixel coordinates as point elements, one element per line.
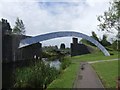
<point>67,77</point>
<point>94,57</point>
<point>108,72</point>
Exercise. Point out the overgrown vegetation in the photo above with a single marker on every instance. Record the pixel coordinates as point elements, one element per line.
<point>52,52</point>
<point>65,62</point>
<point>37,75</point>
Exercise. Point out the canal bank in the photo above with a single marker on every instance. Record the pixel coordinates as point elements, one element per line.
<point>9,69</point>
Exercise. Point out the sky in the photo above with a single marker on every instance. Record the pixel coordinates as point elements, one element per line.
<point>45,16</point>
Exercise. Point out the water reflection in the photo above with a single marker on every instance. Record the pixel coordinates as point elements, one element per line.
<point>56,63</point>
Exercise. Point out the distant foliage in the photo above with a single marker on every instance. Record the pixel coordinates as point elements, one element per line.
<point>19,27</point>
<point>94,36</point>
<point>116,45</point>
<point>104,41</point>
<point>6,28</point>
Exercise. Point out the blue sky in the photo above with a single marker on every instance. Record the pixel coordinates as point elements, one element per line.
<point>44,16</point>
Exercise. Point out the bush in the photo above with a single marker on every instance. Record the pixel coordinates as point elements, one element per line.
<point>35,76</point>
<point>65,62</point>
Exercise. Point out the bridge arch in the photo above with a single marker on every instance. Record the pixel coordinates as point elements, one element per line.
<point>39,38</point>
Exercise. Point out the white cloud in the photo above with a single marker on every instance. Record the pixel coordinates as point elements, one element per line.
<point>94,2</point>
<point>78,16</point>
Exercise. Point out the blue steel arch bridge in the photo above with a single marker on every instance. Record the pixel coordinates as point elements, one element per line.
<point>43,37</point>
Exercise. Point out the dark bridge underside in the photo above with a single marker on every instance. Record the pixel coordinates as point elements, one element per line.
<point>52,35</point>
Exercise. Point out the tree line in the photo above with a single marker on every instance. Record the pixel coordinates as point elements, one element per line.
<point>102,41</point>
<point>18,29</point>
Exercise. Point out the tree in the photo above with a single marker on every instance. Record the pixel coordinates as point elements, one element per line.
<point>116,45</point>
<point>56,47</point>
<point>6,28</point>
<point>104,41</point>
<point>19,27</point>
<point>110,21</point>
<point>94,35</point>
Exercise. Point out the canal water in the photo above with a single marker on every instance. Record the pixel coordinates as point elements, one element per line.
<point>8,70</point>
<point>56,63</point>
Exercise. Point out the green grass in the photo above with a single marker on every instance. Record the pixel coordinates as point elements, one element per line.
<point>94,57</point>
<point>67,77</point>
<point>108,72</point>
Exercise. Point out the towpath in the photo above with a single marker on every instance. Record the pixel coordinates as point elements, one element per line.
<point>87,77</point>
